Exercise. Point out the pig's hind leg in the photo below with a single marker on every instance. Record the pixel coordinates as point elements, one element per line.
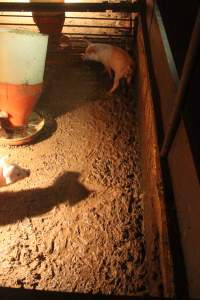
<point>115,84</point>
<point>108,70</point>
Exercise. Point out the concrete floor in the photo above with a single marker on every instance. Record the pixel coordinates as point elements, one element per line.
<point>76,223</point>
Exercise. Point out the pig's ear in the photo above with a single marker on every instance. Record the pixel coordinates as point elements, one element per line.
<point>3,160</point>
<point>91,50</point>
<point>83,56</point>
<point>3,114</point>
<point>8,180</point>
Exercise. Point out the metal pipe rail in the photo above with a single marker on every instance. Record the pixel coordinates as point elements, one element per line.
<point>122,6</point>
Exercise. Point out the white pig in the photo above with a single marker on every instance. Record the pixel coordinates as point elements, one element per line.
<point>113,58</point>
<point>10,173</point>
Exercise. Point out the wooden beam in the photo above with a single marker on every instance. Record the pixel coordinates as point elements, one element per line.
<point>122,6</point>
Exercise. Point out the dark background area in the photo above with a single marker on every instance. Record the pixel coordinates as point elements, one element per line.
<point>179,18</point>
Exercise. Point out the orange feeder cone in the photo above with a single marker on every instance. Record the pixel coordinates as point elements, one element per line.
<point>22,61</point>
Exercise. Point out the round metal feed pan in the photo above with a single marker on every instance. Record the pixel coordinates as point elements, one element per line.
<point>24,135</point>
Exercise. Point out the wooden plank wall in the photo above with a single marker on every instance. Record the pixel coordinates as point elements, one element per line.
<point>95,25</point>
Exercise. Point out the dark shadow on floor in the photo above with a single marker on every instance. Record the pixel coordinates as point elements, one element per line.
<point>72,84</point>
<point>15,206</point>
<point>47,131</point>
<point>24,294</point>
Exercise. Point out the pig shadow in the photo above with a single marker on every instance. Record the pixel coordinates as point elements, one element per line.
<point>15,206</point>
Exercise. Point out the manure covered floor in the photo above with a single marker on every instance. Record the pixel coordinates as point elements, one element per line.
<point>76,223</point>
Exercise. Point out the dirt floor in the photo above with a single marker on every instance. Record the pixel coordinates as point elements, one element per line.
<point>76,223</point>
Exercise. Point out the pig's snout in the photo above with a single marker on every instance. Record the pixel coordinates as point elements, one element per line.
<point>129,74</point>
<point>86,56</point>
<point>83,56</point>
